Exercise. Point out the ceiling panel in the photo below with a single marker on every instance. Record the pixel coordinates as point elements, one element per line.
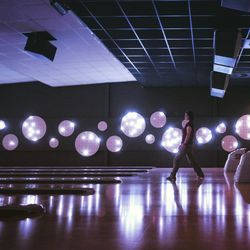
<point>145,35</point>
<point>81,58</point>
<point>150,41</point>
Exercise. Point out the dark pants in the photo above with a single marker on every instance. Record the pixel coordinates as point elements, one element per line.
<point>188,152</point>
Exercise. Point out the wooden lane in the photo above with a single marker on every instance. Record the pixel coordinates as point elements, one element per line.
<point>47,190</point>
<point>146,212</point>
<point>79,167</point>
<point>98,174</point>
<point>35,180</point>
<point>72,171</point>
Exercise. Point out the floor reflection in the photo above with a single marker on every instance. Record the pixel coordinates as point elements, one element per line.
<point>128,210</point>
<point>138,200</point>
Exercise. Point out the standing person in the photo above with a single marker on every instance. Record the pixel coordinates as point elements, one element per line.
<point>186,148</point>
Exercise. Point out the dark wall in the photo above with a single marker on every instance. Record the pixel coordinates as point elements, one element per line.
<point>87,105</point>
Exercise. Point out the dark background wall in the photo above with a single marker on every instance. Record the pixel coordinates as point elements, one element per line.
<point>87,105</point>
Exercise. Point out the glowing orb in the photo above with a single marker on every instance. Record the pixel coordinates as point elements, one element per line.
<point>133,124</point>
<point>221,128</point>
<point>242,127</point>
<point>114,143</point>
<point>66,128</point>
<point>229,143</point>
<point>2,125</point>
<point>203,135</point>
<point>87,143</point>
<point>171,139</point>
<point>102,126</point>
<point>34,128</point>
<point>150,139</point>
<point>158,119</point>
<point>10,142</point>
<point>53,142</point>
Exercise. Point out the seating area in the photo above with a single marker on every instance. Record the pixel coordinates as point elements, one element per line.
<point>242,174</point>
<point>233,160</point>
<point>238,162</point>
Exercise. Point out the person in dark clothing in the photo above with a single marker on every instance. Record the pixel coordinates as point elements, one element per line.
<point>186,148</point>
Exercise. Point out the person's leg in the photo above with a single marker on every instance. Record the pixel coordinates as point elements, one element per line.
<point>192,161</point>
<point>176,163</point>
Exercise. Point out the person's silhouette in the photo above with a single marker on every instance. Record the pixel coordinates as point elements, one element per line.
<point>186,148</point>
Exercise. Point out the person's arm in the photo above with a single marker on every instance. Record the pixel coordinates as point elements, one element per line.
<point>188,134</point>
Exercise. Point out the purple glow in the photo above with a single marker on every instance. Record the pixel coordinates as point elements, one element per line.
<point>87,143</point>
<point>150,139</point>
<point>203,135</point>
<point>133,124</point>
<point>102,126</point>
<point>243,127</point>
<point>53,142</point>
<point>2,125</point>
<point>66,128</point>
<point>171,139</point>
<point>34,128</point>
<point>114,143</point>
<point>158,119</point>
<point>221,128</point>
<point>10,142</point>
<point>229,143</point>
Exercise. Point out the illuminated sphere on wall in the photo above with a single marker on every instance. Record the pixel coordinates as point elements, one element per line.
<point>2,125</point>
<point>87,143</point>
<point>242,127</point>
<point>114,143</point>
<point>158,119</point>
<point>221,128</point>
<point>66,128</point>
<point>34,128</point>
<point>229,143</point>
<point>171,139</point>
<point>102,125</point>
<point>133,124</point>
<point>10,142</point>
<point>53,142</point>
<point>203,135</point>
<point>150,139</point>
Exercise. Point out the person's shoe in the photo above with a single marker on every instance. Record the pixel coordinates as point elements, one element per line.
<point>171,178</point>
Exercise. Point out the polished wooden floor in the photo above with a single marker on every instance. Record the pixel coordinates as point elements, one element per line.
<point>144,212</point>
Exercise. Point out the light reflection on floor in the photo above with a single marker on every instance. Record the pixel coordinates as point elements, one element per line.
<point>141,208</point>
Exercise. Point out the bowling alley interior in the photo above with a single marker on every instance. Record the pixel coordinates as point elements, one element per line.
<point>124,124</point>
